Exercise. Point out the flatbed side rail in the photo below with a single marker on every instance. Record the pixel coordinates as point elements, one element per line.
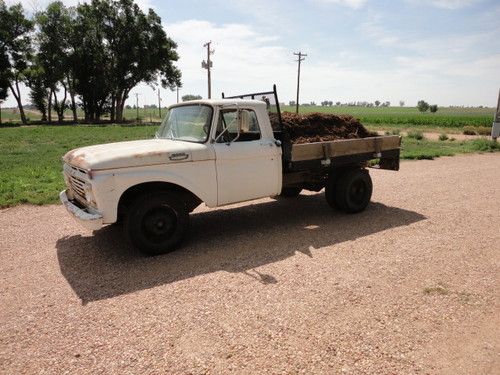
<point>384,148</point>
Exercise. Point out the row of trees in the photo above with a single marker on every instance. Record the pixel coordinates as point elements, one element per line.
<point>91,55</point>
<point>330,103</point>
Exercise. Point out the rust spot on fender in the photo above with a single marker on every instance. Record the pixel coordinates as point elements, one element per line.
<point>75,158</point>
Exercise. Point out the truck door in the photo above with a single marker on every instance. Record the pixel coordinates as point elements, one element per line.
<point>249,165</point>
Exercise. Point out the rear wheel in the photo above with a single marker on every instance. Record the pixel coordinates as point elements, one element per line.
<point>290,192</point>
<point>330,190</point>
<point>353,191</point>
<point>156,223</point>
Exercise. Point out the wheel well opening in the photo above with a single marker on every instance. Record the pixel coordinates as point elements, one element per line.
<point>192,201</point>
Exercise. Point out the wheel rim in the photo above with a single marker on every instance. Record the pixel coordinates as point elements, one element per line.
<point>357,192</point>
<point>159,224</point>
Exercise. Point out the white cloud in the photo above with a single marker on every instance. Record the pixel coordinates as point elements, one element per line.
<point>354,4</point>
<point>446,4</point>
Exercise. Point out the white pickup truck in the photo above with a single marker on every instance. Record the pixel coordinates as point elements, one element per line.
<point>217,152</point>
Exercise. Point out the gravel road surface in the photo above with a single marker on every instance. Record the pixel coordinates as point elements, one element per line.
<point>409,286</point>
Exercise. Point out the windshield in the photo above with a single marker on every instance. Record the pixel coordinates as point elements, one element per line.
<point>187,123</point>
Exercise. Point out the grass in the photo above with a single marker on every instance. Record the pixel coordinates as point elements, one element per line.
<point>30,157</point>
<point>477,130</point>
<point>414,149</point>
<point>415,134</point>
<point>443,137</point>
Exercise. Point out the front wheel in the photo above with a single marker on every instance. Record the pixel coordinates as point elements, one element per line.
<point>156,223</point>
<point>353,190</point>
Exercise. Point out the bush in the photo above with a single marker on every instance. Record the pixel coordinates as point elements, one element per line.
<point>485,145</point>
<point>469,130</point>
<point>443,137</point>
<point>396,132</point>
<point>483,130</point>
<point>415,134</point>
<point>433,108</point>
<point>452,139</point>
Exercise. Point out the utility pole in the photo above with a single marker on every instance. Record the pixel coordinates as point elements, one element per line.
<point>301,57</point>
<point>159,103</point>
<point>137,104</point>
<point>208,65</point>
<point>177,94</point>
<point>0,111</point>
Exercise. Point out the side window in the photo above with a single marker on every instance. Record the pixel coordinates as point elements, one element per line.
<point>228,119</point>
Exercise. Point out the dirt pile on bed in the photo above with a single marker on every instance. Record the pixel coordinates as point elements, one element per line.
<point>320,127</point>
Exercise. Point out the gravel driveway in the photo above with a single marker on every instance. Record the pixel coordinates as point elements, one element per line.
<point>288,286</point>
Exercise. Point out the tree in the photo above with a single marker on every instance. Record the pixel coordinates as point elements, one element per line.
<point>90,62</point>
<point>188,97</point>
<point>38,90</point>
<point>433,108</point>
<point>54,56</point>
<point>401,103</point>
<point>422,105</point>
<point>377,103</point>
<point>138,50</point>
<point>291,103</point>
<point>337,103</point>
<point>15,51</point>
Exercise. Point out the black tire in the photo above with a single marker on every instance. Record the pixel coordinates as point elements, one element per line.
<point>353,191</point>
<point>290,192</point>
<point>331,189</point>
<point>156,223</point>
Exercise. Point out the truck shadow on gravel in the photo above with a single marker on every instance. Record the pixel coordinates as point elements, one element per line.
<point>234,240</point>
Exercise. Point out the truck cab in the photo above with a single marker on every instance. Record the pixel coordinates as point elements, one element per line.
<point>213,151</point>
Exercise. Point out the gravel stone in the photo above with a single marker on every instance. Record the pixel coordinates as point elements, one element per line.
<point>273,286</point>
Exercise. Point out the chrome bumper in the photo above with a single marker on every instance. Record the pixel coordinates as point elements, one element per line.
<point>86,219</point>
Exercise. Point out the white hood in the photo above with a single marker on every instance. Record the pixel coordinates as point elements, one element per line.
<point>136,153</point>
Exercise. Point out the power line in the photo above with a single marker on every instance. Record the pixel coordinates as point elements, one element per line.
<point>208,65</point>
<point>300,58</point>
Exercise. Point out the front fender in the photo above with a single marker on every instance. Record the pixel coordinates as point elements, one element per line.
<point>197,177</point>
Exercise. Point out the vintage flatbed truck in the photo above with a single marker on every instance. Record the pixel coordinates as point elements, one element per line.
<point>217,152</point>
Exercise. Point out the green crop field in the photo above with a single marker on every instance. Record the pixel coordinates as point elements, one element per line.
<point>409,117</point>
<point>30,157</point>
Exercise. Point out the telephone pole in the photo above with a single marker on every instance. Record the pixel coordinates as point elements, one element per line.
<point>137,104</point>
<point>301,57</point>
<point>159,103</point>
<point>208,65</point>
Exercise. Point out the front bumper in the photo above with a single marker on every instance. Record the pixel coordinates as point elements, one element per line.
<point>92,221</point>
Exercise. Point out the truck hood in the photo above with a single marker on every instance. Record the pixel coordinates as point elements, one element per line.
<point>136,154</point>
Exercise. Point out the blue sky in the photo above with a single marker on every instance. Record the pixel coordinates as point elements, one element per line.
<point>444,51</point>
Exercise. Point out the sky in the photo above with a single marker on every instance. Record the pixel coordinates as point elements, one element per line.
<point>446,52</point>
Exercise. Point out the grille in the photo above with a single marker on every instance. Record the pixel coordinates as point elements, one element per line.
<point>76,178</point>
